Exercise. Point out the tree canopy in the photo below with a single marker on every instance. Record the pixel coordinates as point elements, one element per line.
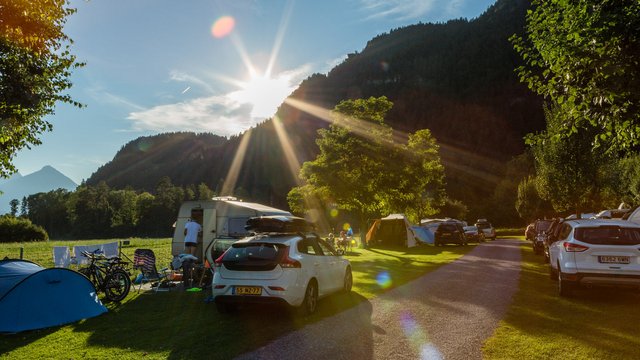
<point>363,168</point>
<point>583,56</point>
<point>35,66</point>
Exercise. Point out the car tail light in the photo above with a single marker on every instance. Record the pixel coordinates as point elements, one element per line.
<point>570,247</point>
<point>218,262</point>
<point>287,262</point>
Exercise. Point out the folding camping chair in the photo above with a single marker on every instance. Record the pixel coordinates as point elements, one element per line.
<point>145,261</point>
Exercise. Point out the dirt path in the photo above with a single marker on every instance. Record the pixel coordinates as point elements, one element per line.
<point>446,314</point>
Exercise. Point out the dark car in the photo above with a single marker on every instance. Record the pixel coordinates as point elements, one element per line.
<point>552,236</point>
<point>450,233</point>
<point>541,227</point>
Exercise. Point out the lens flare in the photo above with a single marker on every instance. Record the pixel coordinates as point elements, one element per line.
<point>384,66</point>
<point>223,26</point>
<point>333,212</point>
<point>346,226</point>
<point>384,280</point>
<point>144,145</point>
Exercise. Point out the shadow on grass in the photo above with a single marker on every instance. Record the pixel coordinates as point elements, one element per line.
<point>181,325</point>
<point>594,323</point>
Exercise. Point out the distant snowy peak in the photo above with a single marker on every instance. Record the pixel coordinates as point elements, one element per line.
<point>43,180</point>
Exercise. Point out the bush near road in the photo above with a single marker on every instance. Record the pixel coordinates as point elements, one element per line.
<point>595,324</point>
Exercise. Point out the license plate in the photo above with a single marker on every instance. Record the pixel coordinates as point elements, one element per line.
<point>613,259</point>
<point>248,290</point>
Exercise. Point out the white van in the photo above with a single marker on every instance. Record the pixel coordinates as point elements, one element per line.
<point>223,221</point>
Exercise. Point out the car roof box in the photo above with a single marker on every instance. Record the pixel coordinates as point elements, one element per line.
<point>279,224</point>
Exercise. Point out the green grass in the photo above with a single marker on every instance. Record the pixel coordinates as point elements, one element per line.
<point>594,324</point>
<point>180,325</point>
<point>42,252</point>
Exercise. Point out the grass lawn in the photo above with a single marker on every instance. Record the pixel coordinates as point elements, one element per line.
<point>594,324</point>
<point>181,325</point>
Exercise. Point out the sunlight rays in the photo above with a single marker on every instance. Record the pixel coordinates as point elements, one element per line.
<point>284,22</point>
<point>231,179</point>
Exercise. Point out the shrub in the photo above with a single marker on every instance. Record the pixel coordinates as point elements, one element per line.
<point>14,229</point>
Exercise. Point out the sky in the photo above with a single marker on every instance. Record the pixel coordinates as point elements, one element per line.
<point>155,66</point>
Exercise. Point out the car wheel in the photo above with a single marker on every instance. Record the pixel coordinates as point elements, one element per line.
<point>310,302</point>
<point>565,289</point>
<point>348,281</point>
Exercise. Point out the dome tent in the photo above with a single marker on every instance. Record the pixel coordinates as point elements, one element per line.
<point>32,297</point>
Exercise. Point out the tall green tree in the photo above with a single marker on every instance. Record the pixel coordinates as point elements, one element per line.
<point>350,168</point>
<point>582,55</point>
<point>13,204</point>
<point>529,204</point>
<point>569,169</point>
<point>35,66</point>
<point>363,169</point>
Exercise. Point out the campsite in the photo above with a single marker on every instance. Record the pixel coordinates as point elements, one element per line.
<point>180,324</point>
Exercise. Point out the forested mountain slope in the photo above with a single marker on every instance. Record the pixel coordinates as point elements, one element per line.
<point>455,78</point>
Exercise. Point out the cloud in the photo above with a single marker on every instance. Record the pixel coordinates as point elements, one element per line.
<point>216,114</point>
<point>226,114</point>
<point>411,9</point>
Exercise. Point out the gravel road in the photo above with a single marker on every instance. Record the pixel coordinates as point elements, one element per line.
<point>446,314</point>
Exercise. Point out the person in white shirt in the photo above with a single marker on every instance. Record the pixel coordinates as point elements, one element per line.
<point>191,231</point>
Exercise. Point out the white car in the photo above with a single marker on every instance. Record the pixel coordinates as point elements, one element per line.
<point>595,252</point>
<point>293,269</point>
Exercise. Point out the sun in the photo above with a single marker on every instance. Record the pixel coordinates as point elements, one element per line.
<point>264,94</point>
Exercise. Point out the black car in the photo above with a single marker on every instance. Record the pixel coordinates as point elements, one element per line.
<point>450,233</point>
<point>541,227</point>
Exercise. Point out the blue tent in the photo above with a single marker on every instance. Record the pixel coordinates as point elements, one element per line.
<point>32,297</point>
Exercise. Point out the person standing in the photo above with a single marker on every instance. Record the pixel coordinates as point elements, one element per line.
<point>191,231</point>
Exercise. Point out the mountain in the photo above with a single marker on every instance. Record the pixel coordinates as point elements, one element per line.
<point>43,180</point>
<point>455,78</point>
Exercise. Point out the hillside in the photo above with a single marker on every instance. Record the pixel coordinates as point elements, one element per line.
<point>43,180</point>
<point>455,78</point>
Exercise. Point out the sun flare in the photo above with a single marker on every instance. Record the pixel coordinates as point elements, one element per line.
<point>264,94</point>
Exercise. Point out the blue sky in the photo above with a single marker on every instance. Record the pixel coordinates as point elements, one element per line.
<point>155,66</point>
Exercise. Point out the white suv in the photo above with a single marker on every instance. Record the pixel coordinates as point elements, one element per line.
<point>294,269</point>
<point>595,252</point>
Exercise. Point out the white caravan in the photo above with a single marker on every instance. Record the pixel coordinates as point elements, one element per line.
<point>223,221</point>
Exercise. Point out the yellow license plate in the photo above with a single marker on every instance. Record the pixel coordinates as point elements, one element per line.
<point>248,290</point>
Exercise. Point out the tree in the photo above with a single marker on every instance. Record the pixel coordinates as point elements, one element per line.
<point>582,56</point>
<point>350,168</point>
<point>204,193</point>
<point>529,204</point>
<point>14,207</point>
<point>362,168</point>
<point>24,209</point>
<point>569,169</point>
<point>35,66</point>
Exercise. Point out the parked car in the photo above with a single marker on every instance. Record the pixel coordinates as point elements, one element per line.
<point>290,267</point>
<point>611,214</point>
<point>540,229</point>
<point>595,253</point>
<point>487,228</point>
<point>450,233</point>
<point>473,234</point>
<point>552,236</point>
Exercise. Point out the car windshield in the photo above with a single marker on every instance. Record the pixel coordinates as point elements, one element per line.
<point>608,235</point>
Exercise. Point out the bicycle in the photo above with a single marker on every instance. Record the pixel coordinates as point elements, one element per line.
<point>108,275</point>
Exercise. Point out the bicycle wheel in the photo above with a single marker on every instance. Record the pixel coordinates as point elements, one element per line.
<point>116,285</point>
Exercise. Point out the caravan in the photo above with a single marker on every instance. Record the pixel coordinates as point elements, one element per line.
<point>223,221</point>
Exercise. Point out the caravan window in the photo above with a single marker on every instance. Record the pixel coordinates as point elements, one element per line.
<point>236,226</point>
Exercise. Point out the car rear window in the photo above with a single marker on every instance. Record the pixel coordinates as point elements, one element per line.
<point>483,225</point>
<point>608,235</point>
<point>447,227</point>
<point>543,225</point>
<point>253,256</point>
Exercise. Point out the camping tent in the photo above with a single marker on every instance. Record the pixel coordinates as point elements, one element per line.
<point>395,230</point>
<point>32,297</point>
